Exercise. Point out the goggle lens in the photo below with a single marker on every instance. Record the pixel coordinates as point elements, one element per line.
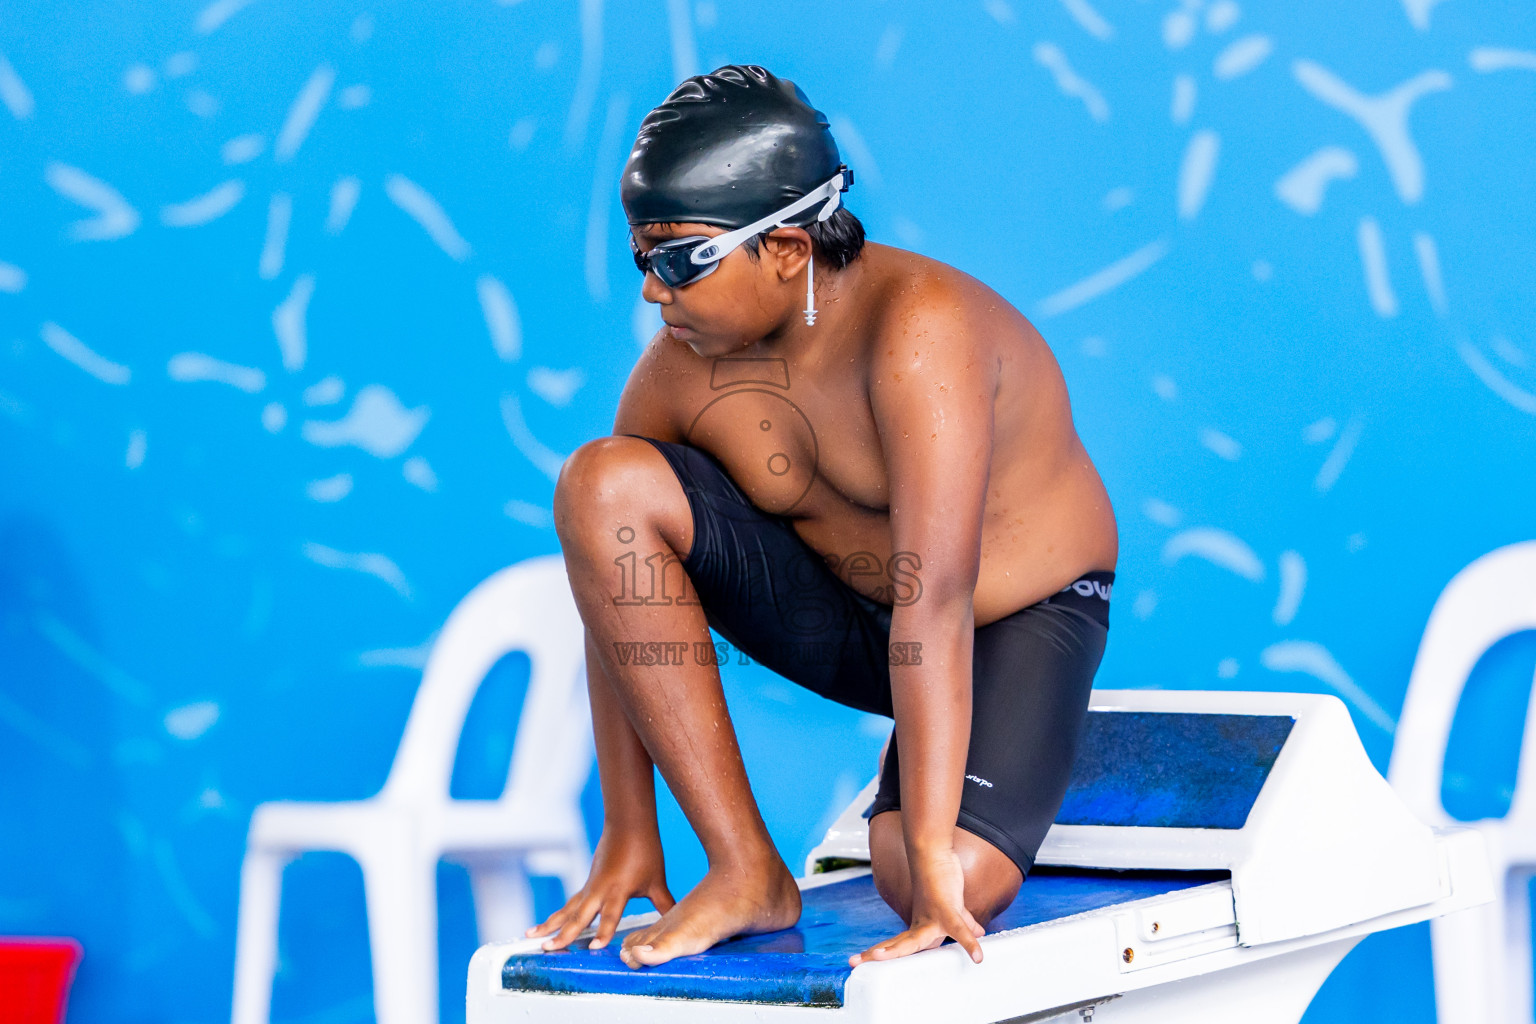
<point>671,261</point>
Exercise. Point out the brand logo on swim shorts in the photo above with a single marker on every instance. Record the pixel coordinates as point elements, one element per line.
<point>978,779</point>
<point>1090,588</point>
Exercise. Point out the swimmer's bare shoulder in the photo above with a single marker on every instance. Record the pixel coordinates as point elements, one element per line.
<point>650,404</point>
<point>1047,515</point>
<point>912,285</point>
<point>928,318</point>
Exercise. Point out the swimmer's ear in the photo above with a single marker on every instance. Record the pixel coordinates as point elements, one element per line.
<point>789,249</point>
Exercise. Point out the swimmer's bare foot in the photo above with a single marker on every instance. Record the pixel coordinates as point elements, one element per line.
<point>728,902</point>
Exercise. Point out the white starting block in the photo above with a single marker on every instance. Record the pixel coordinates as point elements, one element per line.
<point>1216,856</point>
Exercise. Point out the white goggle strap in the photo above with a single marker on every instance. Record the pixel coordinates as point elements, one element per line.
<point>723,244</point>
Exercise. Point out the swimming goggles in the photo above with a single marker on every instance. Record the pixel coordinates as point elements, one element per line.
<point>681,261</point>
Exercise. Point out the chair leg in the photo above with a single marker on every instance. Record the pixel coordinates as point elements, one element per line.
<point>503,899</point>
<point>1517,947</point>
<point>1471,965</point>
<point>402,934</point>
<point>261,883</point>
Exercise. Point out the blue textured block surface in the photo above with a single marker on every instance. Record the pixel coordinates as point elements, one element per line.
<point>1171,770</point>
<point>807,965</point>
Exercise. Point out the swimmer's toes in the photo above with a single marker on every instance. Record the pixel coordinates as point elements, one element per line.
<point>670,946</point>
<point>719,907</point>
<point>639,936</point>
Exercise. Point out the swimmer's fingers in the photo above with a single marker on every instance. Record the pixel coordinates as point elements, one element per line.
<point>608,923</point>
<point>926,935</point>
<point>576,921</point>
<point>660,897</point>
<point>969,935</point>
<point>553,921</point>
<point>962,927</point>
<point>914,939</point>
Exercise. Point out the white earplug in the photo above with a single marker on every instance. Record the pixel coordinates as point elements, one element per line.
<point>810,292</point>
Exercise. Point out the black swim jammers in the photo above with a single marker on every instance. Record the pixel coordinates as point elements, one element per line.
<point>774,597</point>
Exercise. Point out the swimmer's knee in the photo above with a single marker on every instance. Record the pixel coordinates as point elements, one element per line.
<point>886,841</point>
<point>614,481</point>
<point>992,879</point>
<point>600,465</point>
<point>888,862</point>
<point>893,881</point>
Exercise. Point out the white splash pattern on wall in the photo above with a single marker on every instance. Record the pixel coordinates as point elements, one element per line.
<point>1241,57</point>
<point>557,387</point>
<point>344,195</point>
<point>275,247</point>
<point>189,367</point>
<point>209,206</point>
<point>1196,171</point>
<point>500,312</point>
<point>76,351</point>
<point>12,278</point>
<point>115,218</point>
<point>377,423</point>
<point>429,213</point>
<point>290,326</point>
<point>14,92</point>
<point>190,721</point>
<point>1069,82</point>
<point>242,149</point>
<point>370,563</point>
<point>1495,58</point>
<point>1384,118</point>
<point>1303,187</point>
<point>326,391</point>
<point>1219,547</point>
<point>1102,281</point>
<point>330,489</point>
<point>303,113</point>
<point>1315,660</point>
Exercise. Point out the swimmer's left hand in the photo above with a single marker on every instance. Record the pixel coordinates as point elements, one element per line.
<point>938,913</point>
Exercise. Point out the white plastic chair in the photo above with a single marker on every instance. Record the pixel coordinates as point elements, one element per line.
<point>1482,956</point>
<point>398,836</point>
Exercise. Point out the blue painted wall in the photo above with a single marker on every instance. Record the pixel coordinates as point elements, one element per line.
<point>1307,373</point>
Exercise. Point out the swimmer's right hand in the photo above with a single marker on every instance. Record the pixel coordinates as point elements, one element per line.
<point>625,865</point>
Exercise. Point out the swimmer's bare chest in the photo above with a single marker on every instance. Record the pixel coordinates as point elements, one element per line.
<point>797,434</point>
<point>801,443</point>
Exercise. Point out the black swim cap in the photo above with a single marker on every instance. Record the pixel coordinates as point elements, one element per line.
<point>728,148</point>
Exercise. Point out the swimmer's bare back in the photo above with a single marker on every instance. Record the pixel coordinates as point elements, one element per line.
<point>791,419</point>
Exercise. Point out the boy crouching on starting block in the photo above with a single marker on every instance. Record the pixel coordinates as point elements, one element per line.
<point>880,496</point>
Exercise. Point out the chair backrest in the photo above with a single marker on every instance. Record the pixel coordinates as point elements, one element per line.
<point>524,607</point>
<point>1490,599</point>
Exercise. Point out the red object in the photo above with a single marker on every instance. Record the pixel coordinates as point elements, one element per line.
<point>34,979</point>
